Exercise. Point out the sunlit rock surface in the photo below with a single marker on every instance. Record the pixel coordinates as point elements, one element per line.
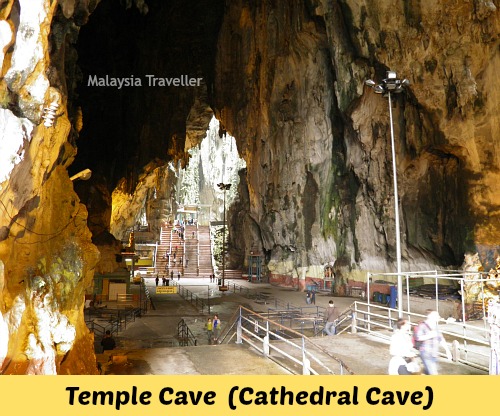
<point>45,245</point>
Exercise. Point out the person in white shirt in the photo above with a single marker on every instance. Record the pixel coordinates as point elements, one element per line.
<point>401,350</point>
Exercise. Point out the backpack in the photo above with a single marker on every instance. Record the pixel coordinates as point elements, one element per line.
<point>416,343</point>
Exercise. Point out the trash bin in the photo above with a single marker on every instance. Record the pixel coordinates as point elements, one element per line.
<point>375,296</point>
<point>220,282</point>
<point>168,282</point>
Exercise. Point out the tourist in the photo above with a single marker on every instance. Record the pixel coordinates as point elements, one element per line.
<point>402,351</point>
<point>209,330</point>
<point>308,297</point>
<point>108,342</point>
<point>216,327</point>
<point>331,315</point>
<point>429,337</point>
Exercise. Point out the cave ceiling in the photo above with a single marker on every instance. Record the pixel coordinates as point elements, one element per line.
<point>126,128</point>
<point>286,79</point>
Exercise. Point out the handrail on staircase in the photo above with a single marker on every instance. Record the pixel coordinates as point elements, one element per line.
<point>185,335</point>
<point>265,336</point>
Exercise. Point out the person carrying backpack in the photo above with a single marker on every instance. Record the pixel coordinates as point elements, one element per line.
<point>428,338</point>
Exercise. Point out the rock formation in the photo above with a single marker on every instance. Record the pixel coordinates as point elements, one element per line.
<point>317,141</point>
<point>286,79</point>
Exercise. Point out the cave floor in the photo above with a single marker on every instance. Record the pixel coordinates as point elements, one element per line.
<point>146,345</point>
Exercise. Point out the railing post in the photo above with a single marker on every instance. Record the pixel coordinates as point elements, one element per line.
<point>354,324</point>
<point>455,351</point>
<point>239,339</point>
<point>306,363</point>
<point>265,345</point>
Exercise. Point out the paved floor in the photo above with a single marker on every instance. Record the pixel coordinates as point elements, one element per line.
<point>145,347</point>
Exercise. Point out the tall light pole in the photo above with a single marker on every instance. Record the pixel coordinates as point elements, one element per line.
<point>224,187</point>
<point>388,86</point>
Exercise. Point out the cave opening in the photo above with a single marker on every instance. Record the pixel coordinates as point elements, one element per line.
<point>214,161</point>
<point>145,92</point>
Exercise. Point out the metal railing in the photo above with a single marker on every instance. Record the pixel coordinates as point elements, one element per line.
<point>184,335</point>
<point>195,300</point>
<point>470,343</point>
<point>458,280</point>
<point>287,347</point>
<point>145,298</point>
<point>97,329</point>
<point>100,320</point>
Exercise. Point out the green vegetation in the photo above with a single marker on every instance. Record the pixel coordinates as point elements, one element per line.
<point>190,185</point>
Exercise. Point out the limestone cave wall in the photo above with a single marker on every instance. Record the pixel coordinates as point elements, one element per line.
<point>46,254</point>
<point>286,79</point>
<point>290,81</point>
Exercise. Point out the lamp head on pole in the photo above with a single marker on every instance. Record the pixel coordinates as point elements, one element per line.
<point>390,83</point>
<point>84,175</point>
<point>224,186</point>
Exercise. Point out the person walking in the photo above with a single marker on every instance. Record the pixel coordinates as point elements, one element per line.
<point>429,338</point>
<point>216,327</point>
<point>308,297</point>
<point>402,351</point>
<point>330,316</point>
<point>178,275</point>
<point>157,280</point>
